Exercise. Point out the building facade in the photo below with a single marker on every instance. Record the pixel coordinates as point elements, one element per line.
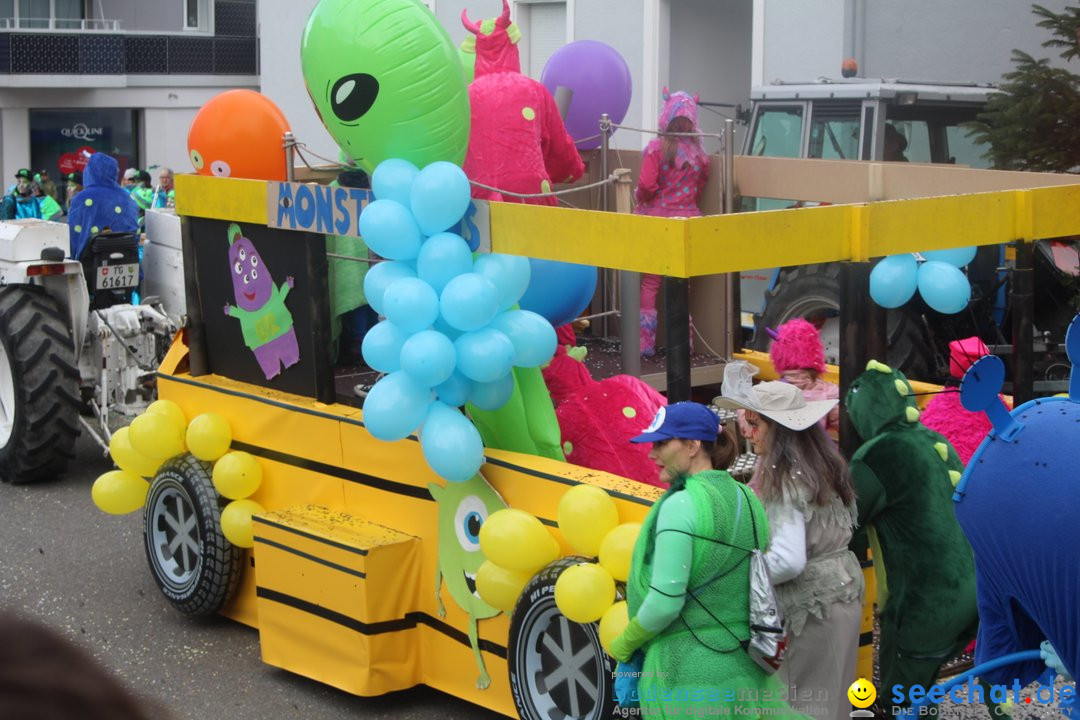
<point>115,75</point>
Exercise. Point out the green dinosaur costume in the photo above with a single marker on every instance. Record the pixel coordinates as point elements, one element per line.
<point>685,586</point>
<point>904,475</point>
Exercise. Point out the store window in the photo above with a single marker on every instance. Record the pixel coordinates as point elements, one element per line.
<point>61,141</point>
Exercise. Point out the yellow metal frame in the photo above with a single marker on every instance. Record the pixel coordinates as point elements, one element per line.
<point>332,436</point>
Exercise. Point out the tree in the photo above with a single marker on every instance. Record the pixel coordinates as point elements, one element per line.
<point>1034,122</point>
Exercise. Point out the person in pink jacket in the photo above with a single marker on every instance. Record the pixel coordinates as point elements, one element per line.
<point>674,170</point>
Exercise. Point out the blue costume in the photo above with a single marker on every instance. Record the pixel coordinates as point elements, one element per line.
<point>1016,502</point>
<point>101,205</point>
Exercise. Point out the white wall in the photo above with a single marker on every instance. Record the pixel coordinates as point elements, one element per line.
<point>710,55</point>
<point>958,41</point>
<point>14,142</point>
<point>145,15</point>
<point>281,25</point>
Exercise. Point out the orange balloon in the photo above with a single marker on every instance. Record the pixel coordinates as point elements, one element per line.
<point>238,134</point>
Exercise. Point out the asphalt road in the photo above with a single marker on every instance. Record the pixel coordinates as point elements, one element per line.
<point>84,573</point>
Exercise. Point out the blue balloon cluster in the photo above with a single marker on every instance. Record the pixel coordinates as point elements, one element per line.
<point>940,280</point>
<point>451,334</point>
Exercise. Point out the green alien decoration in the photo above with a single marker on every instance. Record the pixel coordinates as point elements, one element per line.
<point>386,81</point>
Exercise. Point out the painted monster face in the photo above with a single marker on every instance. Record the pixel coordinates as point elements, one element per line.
<point>386,81</point>
<point>251,280</point>
<point>463,508</point>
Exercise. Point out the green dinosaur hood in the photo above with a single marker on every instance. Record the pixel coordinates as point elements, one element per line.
<point>880,399</point>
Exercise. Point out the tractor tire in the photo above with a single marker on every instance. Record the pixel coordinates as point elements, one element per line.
<point>194,565</point>
<point>813,292</point>
<point>39,386</point>
<point>558,669</point>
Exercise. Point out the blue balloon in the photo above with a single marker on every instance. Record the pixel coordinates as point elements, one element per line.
<point>442,326</point>
<point>492,395</point>
<point>455,391</point>
<point>484,355</point>
<point>944,287</point>
<point>439,196</point>
<point>532,336</point>
<point>388,228</point>
<point>411,304</point>
<point>958,257</point>
<point>429,357</point>
<point>381,276</point>
<point>893,280</point>
<point>443,257</point>
<point>509,273</point>
<point>395,406</point>
<point>393,179</point>
<point>382,347</point>
<point>451,444</point>
<point>559,291</point>
<point>469,302</point>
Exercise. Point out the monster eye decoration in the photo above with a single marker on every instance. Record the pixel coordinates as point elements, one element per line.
<point>353,95</point>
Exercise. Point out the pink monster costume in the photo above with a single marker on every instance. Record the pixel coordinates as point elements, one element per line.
<point>517,140</point>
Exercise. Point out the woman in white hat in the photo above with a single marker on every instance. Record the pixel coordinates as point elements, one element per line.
<point>808,495</point>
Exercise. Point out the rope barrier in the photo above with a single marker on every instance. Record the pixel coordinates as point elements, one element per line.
<point>554,193</point>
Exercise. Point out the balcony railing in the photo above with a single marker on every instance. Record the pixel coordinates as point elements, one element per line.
<point>70,53</point>
<point>53,23</point>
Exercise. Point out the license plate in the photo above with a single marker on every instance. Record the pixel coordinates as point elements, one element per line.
<point>110,277</point>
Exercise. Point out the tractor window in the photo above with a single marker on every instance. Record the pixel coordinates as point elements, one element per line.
<point>778,132</point>
<point>963,149</point>
<point>917,135</point>
<point>834,132</point>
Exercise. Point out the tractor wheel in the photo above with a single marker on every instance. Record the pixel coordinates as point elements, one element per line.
<point>813,292</point>
<point>39,386</point>
<point>558,669</point>
<point>193,563</point>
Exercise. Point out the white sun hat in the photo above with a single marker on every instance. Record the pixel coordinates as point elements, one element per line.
<point>779,401</point>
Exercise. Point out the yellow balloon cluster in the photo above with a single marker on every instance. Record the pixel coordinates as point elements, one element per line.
<point>209,436</point>
<point>515,545</point>
<point>589,520</point>
<point>138,450</point>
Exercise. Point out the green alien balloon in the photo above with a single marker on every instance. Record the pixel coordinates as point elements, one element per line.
<point>386,81</point>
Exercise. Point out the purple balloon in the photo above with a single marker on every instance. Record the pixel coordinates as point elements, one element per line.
<point>601,83</point>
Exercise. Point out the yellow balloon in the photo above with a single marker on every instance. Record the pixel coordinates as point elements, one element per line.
<point>586,514</point>
<point>613,623</point>
<point>237,474</point>
<point>617,548</point>
<point>236,522</point>
<point>209,436</point>
<point>169,409</point>
<point>119,492</point>
<point>128,458</point>
<point>156,436</point>
<point>584,592</point>
<point>515,540</point>
<point>499,587</point>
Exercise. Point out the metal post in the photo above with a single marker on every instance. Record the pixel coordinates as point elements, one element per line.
<point>732,340</point>
<point>862,338</point>
<point>1023,313</point>
<point>608,283</point>
<point>629,289</point>
<point>605,139</point>
<point>677,320</point>
<point>288,141</point>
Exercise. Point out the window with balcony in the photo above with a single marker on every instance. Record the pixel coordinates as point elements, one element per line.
<point>41,14</point>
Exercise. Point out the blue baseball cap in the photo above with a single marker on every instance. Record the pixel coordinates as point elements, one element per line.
<point>684,420</point>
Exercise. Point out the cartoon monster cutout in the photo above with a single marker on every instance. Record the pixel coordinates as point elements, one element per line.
<point>1016,503</point>
<point>260,307</point>
<point>463,508</point>
<point>386,81</point>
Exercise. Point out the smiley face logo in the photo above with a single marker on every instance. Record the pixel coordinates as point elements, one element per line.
<point>862,693</point>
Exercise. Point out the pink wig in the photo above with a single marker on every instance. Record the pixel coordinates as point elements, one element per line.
<point>797,346</point>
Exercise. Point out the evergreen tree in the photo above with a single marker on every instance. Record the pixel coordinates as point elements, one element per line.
<point>1034,123</point>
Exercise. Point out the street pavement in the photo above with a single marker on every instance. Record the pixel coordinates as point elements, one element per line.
<point>85,574</point>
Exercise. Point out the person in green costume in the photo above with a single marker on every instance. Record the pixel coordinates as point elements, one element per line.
<point>687,593</point>
<point>904,475</point>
